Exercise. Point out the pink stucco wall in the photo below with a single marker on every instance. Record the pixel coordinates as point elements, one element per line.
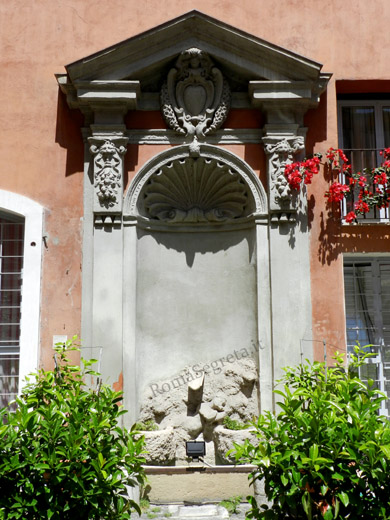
<point>41,148</point>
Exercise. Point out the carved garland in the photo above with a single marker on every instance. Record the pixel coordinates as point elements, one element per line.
<point>108,173</point>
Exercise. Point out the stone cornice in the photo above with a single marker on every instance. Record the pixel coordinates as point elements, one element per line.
<point>97,95</point>
<point>138,56</point>
<point>293,98</point>
<point>222,136</point>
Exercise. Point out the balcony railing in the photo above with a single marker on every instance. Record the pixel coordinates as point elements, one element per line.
<point>377,370</point>
<point>360,159</point>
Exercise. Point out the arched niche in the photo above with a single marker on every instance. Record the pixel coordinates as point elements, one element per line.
<point>195,271</point>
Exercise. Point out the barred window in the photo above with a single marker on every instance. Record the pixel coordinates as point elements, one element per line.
<point>367,309</point>
<point>364,131</point>
<point>11,269</point>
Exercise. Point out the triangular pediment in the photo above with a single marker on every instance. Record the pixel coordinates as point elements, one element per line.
<point>147,57</point>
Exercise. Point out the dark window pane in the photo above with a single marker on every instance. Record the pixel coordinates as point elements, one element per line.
<point>386,126</point>
<point>358,127</point>
<point>11,266</point>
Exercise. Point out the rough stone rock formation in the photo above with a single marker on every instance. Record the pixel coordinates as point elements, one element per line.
<point>192,406</point>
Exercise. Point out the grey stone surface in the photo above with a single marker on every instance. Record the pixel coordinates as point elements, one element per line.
<point>224,439</point>
<point>195,98</point>
<point>160,447</point>
<point>187,419</point>
<point>206,191</point>
<point>108,173</point>
<point>192,425</point>
<point>221,136</point>
<point>160,297</point>
<point>207,413</point>
<point>282,143</point>
<point>193,512</point>
<point>132,202</point>
<point>145,56</point>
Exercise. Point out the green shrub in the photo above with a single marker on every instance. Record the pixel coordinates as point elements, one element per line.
<point>144,504</point>
<point>232,424</point>
<point>231,504</point>
<point>62,452</point>
<point>147,426</point>
<point>326,454</point>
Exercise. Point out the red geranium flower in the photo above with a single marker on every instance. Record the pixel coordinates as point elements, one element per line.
<point>350,217</point>
<point>336,192</point>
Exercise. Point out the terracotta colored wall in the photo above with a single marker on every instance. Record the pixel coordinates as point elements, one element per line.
<point>41,148</point>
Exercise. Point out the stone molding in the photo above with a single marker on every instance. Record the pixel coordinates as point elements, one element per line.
<point>107,221</point>
<point>142,56</point>
<point>286,101</point>
<point>225,164</point>
<point>206,61</point>
<point>195,99</point>
<point>97,95</point>
<point>221,136</point>
<point>108,155</point>
<point>281,144</point>
<point>149,101</point>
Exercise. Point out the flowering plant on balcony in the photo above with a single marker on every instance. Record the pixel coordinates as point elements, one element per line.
<point>373,185</point>
<point>299,172</point>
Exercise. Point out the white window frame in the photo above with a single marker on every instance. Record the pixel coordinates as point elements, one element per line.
<point>32,212</point>
<point>380,139</point>
<point>379,359</point>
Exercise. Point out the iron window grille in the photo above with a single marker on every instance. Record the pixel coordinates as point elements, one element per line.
<point>364,131</point>
<point>11,274</point>
<point>367,309</point>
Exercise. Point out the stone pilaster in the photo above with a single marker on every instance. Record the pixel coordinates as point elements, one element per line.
<point>283,144</point>
<point>107,155</point>
<point>284,104</point>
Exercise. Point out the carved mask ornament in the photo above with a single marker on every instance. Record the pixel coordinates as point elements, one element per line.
<point>195,100</point>
<point>108,175</point>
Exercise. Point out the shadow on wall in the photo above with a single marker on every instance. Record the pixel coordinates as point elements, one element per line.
<point>330,228</point>
<point>365,238</point>
<point>336,239</point>
<point>329,238</point>
<point>315,121</point>
<point>301,223</point>
<point>68,135</point>
<point>194,243</point>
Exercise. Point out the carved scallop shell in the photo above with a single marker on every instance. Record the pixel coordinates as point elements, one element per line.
<point>195,190</point>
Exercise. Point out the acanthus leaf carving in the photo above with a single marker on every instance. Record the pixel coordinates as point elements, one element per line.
<point>195,100</point>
